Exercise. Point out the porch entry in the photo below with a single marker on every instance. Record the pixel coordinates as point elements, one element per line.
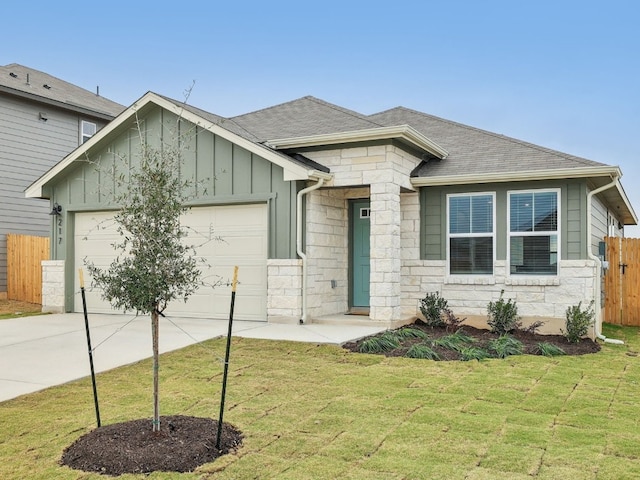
<point>359,246</point>
<point>621,280</point>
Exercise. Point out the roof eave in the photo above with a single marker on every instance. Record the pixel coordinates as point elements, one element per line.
<point>56,103</point>
<point>404,133</point>
<point>558,174</point>
<point>583,172</point>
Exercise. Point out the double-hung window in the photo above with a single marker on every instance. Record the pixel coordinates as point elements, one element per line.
<point>533,232</point>
<point>87,130</point>
<point>471,227</point>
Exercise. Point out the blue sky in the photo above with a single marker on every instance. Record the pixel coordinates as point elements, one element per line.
<point>562,74</point>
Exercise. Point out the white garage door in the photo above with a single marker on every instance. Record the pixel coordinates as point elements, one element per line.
<point>242,230</point>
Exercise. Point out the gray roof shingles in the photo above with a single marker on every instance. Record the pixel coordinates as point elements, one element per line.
<point>471,150</point>
<point>475,151</point>
<point>302,117</point>
<point>13,77</point>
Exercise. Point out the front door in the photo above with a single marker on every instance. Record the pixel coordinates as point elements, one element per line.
<point>360,261</point>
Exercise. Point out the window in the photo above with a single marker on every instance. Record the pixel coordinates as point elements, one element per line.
<point>533,232</point>
<point>87,130</point>
<point>471,233</point>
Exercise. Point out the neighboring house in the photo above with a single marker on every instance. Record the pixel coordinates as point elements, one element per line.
<point>337,216</point>
<point>42,119</point>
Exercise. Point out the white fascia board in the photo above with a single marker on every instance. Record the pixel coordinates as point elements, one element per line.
<point>562,173</point>
<point>292,171</point>
<point>402,132</point>
<point>627,203</point>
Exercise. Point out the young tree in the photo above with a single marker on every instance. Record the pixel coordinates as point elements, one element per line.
<point>154,266</point>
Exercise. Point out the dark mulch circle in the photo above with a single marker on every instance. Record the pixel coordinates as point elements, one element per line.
<point>530,341</point>
<point>182,444</point>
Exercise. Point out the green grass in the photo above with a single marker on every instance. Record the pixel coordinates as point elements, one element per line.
<point>319,412</point>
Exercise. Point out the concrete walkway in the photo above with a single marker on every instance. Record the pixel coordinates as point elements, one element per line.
<point>42,351</point>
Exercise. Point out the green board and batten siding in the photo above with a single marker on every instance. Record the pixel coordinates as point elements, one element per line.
<point>572,210</point>
<point>224,174</point>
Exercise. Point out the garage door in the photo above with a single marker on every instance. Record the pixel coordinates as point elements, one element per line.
<point>224,235</point>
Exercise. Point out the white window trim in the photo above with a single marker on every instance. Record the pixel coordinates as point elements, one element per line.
<point>558,232</point>
<point>472,235</point>
<point>82,124</point>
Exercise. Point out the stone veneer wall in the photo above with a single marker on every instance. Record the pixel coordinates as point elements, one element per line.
<point>384,170</point>
<point>284,287</point>
<point>53,286</point>
<point>538,297</point>
<point>327,244</point>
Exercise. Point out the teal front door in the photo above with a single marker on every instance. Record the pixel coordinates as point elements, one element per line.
<point>360,260</point>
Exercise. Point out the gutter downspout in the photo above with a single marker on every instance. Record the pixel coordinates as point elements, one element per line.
<point>299,251</point>
<point>598,320</point>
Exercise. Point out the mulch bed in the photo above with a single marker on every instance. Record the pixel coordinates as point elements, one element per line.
<point>530,341</point>
<point>182,444</point>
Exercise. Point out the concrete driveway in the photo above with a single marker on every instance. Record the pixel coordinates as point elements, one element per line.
<point>42,351</point>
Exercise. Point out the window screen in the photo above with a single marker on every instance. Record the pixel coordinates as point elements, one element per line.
<point>471,228</point>
<point>533,232</point>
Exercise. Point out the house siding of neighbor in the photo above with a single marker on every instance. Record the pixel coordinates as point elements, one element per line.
<point>335,216</point>
<point>41,120</point>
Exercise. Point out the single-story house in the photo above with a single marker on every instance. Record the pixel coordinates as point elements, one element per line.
<point>333,215</point>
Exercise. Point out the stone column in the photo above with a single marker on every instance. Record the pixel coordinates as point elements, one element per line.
<point>53,286</point>
<point>385,251</point>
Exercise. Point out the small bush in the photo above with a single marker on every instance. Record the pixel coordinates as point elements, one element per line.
<point>503,315</point>
<point>506,345</point>
<point>578,322</point>
<point>422,351</point>
<point>549,350</point>
<point>379,344</point>
<point>451,321</point>
<point>533,328</point>
<point>432,307</point>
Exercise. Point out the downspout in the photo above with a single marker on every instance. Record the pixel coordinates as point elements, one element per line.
<point>299,251</point>
<point>598,320</point>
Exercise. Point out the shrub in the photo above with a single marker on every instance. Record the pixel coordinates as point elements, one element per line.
<point>450,320</point>
<point>533,328</point>
<point>578,322</point>
<point>422,351</point>
<point>503,315</point>
<point>506,345</point>
<point>432,307</point>
<point>549,349</point>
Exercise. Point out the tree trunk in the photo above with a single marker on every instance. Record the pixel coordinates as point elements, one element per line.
<point>156,398</point>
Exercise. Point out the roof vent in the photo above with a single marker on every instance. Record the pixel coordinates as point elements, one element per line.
<point>13,75</point>
<point>48,87</point>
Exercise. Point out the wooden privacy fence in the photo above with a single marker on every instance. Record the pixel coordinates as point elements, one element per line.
<point>24,267</point>
<point>622,281</point>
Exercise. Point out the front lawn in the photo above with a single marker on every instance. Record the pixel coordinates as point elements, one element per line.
<point>321,412</point>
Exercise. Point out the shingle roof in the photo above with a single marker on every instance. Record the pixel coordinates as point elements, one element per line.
<point>25,81</point>
<point>472,150</point>
<point>302,117</point>
<point>233,126</point>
